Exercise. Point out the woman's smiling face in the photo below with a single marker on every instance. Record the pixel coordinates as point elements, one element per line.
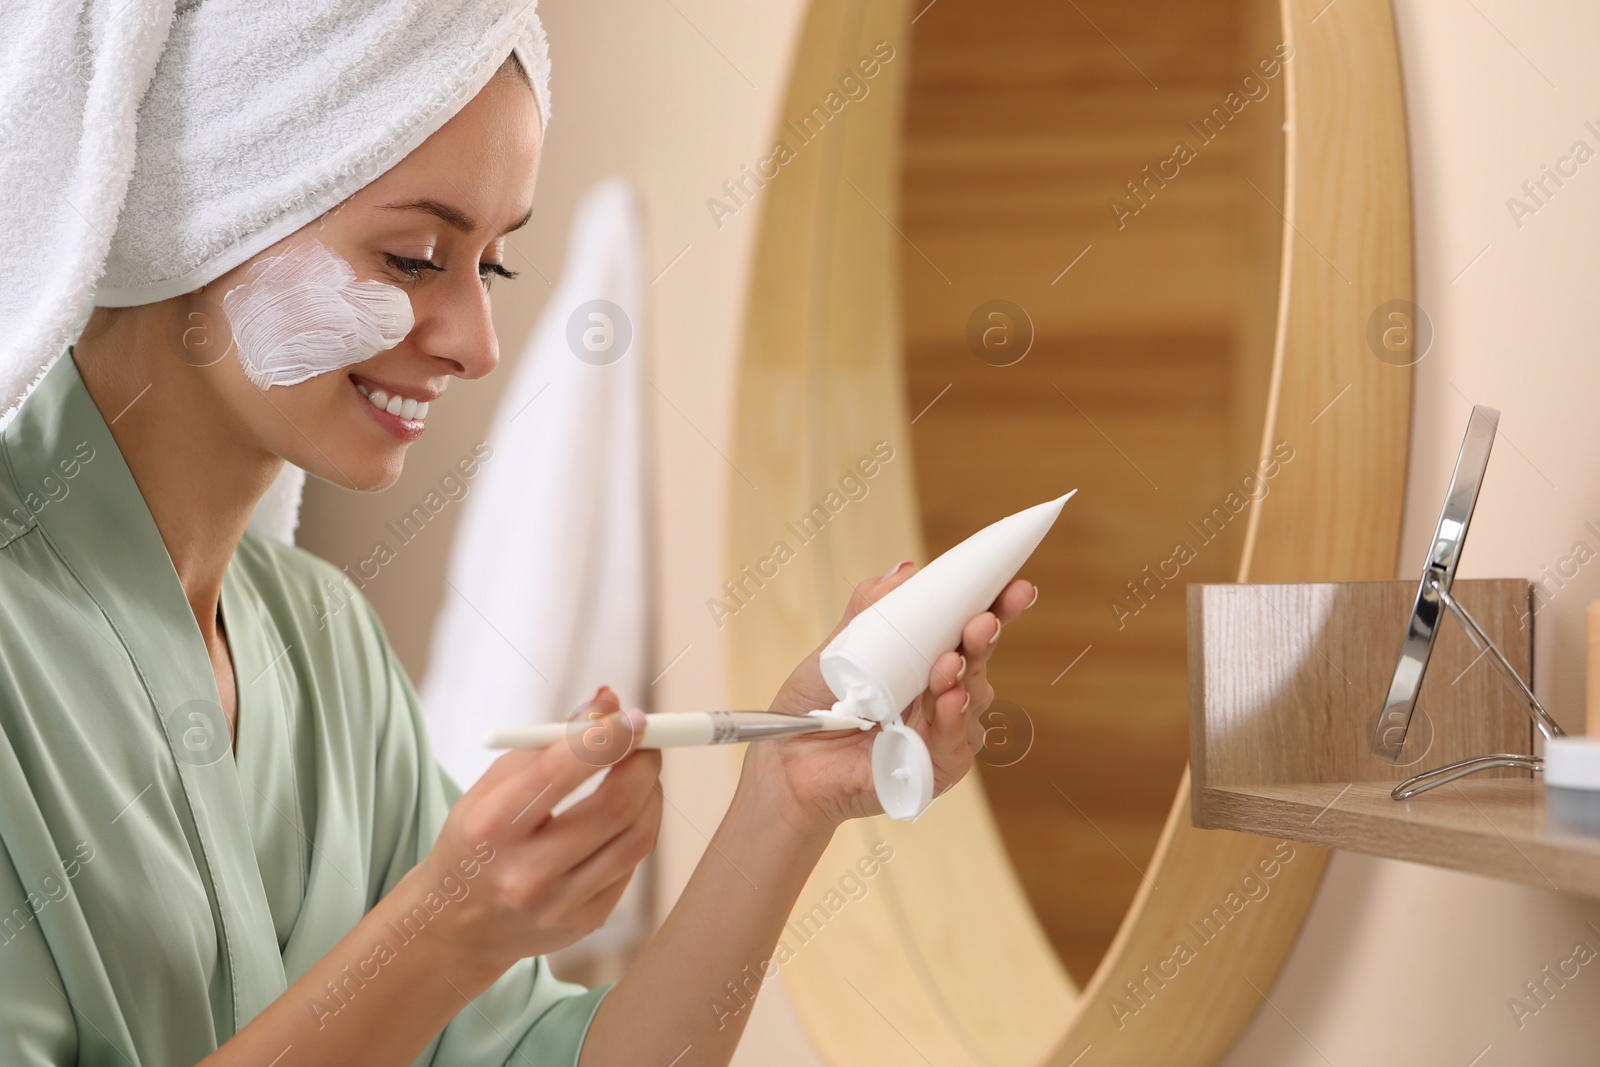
<point>433,228</point>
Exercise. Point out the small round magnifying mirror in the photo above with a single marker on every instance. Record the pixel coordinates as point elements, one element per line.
<point>1422,629</point>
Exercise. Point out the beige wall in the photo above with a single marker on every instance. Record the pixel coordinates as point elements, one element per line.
<point>1398,963</point>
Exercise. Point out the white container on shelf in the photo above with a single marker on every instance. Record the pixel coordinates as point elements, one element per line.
<point>1572,782</point>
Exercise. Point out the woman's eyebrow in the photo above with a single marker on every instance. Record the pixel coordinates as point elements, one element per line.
<point>451,216</point>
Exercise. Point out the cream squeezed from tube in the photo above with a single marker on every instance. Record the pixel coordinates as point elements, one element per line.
<point>303,313</point>
<point>879,662</point>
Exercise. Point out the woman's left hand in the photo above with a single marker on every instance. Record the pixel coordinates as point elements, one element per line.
<point>825,779</point>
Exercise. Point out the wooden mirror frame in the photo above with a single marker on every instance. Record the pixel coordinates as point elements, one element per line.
<point>941,960</point>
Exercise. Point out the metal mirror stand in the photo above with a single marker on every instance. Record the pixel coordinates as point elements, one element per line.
<point>1422,630</point>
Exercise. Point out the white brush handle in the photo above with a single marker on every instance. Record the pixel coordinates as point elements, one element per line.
<point>661,731</point>
<point>546,733</point>
<point>682,729</point>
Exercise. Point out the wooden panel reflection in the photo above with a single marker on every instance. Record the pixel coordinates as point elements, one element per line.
<point>1025,125</point>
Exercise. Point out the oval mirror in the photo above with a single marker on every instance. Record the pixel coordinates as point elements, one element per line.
<point>1012,251</point>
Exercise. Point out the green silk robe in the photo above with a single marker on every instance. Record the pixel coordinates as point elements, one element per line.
<point>157,891</point>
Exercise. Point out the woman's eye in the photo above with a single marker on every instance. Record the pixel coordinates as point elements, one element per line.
<point>486,271</point>
<point>412,268</point>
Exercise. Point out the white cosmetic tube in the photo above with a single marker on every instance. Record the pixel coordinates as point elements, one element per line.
<point>879,663</point>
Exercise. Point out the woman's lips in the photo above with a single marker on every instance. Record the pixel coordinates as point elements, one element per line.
<point>406,407</point>
<point>392,412</point>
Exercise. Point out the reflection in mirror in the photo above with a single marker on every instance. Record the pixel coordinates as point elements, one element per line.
<point>1091,211</point>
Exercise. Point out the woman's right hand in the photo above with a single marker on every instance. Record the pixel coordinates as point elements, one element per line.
<point>537,883</point>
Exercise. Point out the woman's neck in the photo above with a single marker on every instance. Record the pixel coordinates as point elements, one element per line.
<point>199,475</point>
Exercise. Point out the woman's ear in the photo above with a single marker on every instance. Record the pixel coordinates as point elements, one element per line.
<point>199,333</point>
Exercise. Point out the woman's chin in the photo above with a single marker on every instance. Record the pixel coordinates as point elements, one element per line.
<point>377,477</point>
<point>363,470</point>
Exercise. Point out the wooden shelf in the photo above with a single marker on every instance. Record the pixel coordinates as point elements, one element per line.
<point>1495,827</point>
<point>1285,685</point>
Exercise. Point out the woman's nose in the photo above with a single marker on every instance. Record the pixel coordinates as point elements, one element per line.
<point>453,323</point>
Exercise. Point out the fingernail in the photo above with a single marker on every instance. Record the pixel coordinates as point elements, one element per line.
<point>1030,603</point>
<point>892,571</point>
<point>963,671</point>
<point>996,636</point>
<point>965,703</point>
<point>636,720</point>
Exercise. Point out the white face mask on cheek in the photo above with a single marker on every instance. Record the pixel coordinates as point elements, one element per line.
<point>302,313</point>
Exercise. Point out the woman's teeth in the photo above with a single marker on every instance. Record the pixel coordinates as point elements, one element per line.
<point>405,407</point>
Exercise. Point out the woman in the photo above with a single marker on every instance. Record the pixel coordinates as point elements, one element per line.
<point>226,838</point>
